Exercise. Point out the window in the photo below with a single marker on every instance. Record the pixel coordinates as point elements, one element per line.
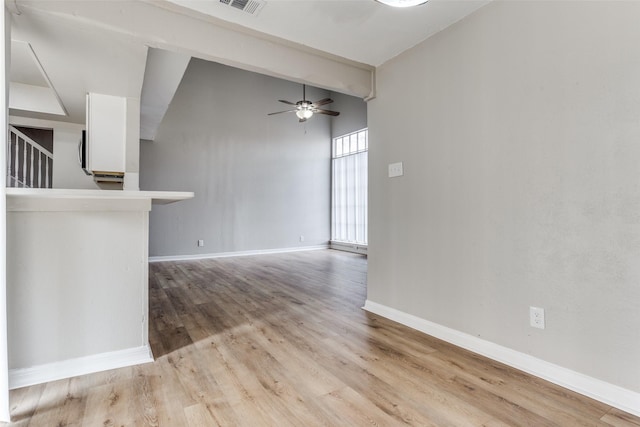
<point>349,188</point>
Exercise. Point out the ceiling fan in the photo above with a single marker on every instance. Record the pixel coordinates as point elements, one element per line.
<point>305,109</point>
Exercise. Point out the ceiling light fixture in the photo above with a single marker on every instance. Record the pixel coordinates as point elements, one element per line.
<point>402,3</point>
<point>304,113</point>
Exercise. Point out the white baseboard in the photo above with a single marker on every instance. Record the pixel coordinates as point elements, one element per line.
<point>23,377</point>
<point>234,254</point>
<point>349,247</point>
<point>621,398</point>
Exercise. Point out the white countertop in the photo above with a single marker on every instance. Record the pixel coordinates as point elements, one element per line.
<point>157,197</point>
<point>40,199</point>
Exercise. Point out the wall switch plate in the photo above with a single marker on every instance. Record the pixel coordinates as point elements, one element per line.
<point>536,317</point>
<point>302,238</point>
<point>200,243</point>
<point>395,169</point>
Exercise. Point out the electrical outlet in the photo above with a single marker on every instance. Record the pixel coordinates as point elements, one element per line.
<point>302,238</point>
<point>200,243</point>
<point>536,317</point>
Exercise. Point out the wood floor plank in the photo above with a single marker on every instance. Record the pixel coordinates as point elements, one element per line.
<point>392,387</point>
<point>618,418</point>
<point>144,408</point>
<point>109,404</point>
<point>546,405</point>
<point>281,340</point>
<point>61,404</point>
<point>168,394</point>
<point>357,410</point>
<point>199,416</point>
<point>282,389</point>
<point>24,403</point>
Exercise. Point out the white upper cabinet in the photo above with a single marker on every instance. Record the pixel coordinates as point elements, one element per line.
<point>106,133</point>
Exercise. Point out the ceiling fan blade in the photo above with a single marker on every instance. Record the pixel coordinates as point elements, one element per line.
<point>327,112</point>
<point>324,101</point>
<point>287,102</point>
<point>280,112</point>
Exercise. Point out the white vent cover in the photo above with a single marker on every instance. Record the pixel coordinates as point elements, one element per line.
<point>252,7</point>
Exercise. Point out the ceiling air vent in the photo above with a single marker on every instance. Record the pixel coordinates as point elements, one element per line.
<point>252,7</point>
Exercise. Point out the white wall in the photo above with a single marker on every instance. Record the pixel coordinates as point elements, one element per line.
<point>519,130</point>
<point>260,181</point>
<point>77,283</point>
<point>87,295</point>
<point>5,30</point>
<point>67,172</point>
<point>132,146</point>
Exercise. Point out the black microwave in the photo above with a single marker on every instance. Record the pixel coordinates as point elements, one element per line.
<point>82,153</point>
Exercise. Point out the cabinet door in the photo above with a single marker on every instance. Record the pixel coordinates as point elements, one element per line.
<point>106,132</point>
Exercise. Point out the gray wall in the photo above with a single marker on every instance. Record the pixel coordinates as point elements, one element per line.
<point>519,132</point>
<point>260,182</point>
<point>353,114</point>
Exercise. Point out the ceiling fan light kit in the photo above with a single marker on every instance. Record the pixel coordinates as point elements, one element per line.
<point>305,109</point>
<point>304,113</point>
<point>402,3</point>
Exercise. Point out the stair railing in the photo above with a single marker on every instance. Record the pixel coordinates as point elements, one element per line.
<point>29,164</point>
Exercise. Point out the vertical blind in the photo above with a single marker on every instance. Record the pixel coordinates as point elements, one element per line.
<point>349,188</point>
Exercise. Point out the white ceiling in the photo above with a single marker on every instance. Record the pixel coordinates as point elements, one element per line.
<point>24,66</point>
<point>101,45</point>
<point>78,58</point>
<point>360,30</point>
<point>29,87</point>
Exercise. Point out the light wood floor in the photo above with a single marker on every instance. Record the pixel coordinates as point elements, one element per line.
<point>280,340</point>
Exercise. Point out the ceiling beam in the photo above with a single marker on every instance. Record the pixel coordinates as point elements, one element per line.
<point>165,25</point>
